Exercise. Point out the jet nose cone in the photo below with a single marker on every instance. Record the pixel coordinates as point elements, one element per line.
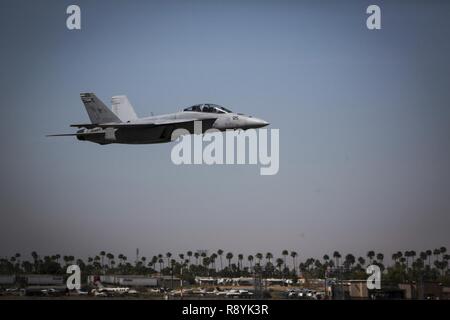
<point>259,123</point>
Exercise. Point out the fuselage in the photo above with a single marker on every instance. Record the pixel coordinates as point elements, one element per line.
<point>211,117</point>
<point>223,121</point>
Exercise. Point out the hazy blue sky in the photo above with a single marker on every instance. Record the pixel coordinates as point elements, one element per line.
<point>364,119</point>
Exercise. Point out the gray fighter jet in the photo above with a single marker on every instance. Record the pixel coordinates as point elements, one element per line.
<point>123,126</point>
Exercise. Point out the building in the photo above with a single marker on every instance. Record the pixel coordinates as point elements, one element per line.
<point>124,280</point>
<point>136,281</point>
<point>6,280</point>
<point>425,290</point>
<point>43,279</point>
<point>357,289</point>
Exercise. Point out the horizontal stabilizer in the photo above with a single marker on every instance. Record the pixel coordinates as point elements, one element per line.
<point>61,135</point>
<point>74,134</point>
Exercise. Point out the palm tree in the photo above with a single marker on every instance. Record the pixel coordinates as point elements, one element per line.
<point>250,260</point>
<point>229,256</point>
<point>443,250</point>
<point>285,253</point>
<point>160,261</point>
<point>203,255</point>
<point>436,253</point>
<point>309,262</point>
<point>402,260</point>
<point>17,257</point>
<point>102,255</point>
<point>196,255</point>
<point>154,260</point>
<point>240,258</point>
<point>407,255</point>
<point>337,256</point>
<point>380,257</point>
<point>370,255</point>
<point>168,255</point>
<point>349,260</point>
<point>395,257</point>
<point>35,259</point>
<point>181,257</point>
<point>34,255</point>
<point>279,263</point>
<point>418,264</point>
<point>259,256</point>
<point>109,256</point>
<point>423,255</point>
<point>429,253</point>
<point>269,256</point>
<point>293,255</point>
<point>213,260</point>
<point>446,258</point>
<point>413,255</point>
<point>317,264</point>
<point>361,261</point>
<point>206,261</point>
<point>220,253</point>
<point>189,254</point>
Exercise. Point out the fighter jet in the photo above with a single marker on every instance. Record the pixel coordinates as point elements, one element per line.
<point>123,125</point>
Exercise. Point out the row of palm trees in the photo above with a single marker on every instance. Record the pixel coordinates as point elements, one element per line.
<point>430,263</point>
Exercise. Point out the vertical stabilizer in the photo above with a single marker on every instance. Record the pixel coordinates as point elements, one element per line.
<point>123,108</point>
<point>96,109</point>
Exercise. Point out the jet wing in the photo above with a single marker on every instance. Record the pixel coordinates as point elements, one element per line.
<point>156,123</point>
<point>74,134</point>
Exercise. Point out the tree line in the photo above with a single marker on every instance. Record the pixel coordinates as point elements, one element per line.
<point>429,265</point>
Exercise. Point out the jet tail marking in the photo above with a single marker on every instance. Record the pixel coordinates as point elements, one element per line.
<point>96,109</point>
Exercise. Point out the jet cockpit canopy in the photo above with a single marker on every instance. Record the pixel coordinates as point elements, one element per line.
<point>208,107</point>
